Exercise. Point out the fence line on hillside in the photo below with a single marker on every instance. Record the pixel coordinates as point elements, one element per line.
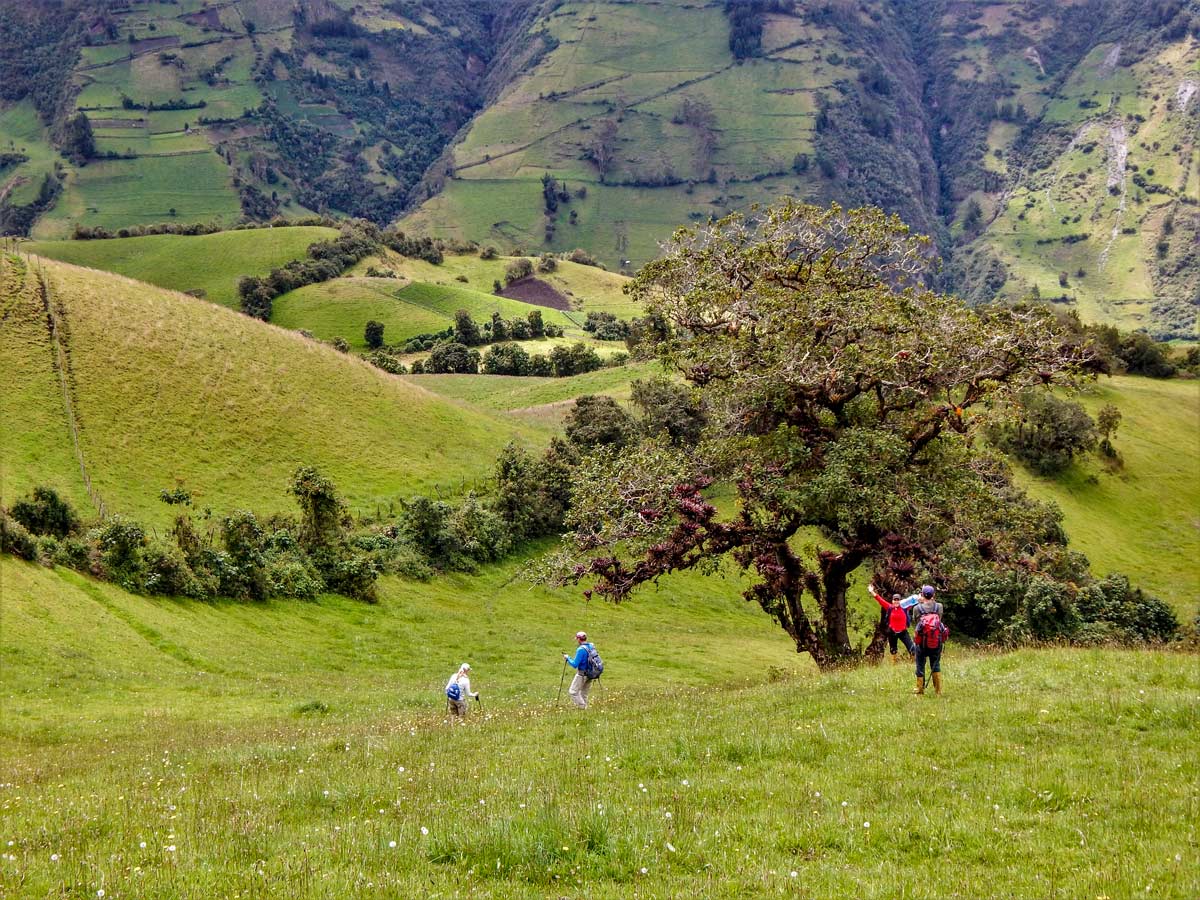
<point>56,325</point>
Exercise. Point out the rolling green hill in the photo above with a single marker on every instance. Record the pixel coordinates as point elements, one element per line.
<point>343,306</point>
<point>165,388</point>
<point>1141,520</point>
<point>211,263</point>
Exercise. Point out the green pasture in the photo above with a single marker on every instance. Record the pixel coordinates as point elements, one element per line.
<point>616,223</point>
<point>169,390</point>
<point>117,193</point>
<point>22,131</point>
<point>589,288</point>
<point>169,749</point>
<point>212,263</point>
<point>343,306</point>
<point>1141,519</point>
<point>508,394</point>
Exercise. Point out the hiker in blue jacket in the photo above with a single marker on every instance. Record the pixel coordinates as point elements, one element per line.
<point>582,682</point>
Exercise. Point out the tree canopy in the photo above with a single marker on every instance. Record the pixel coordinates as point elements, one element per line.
<point>841,400</point>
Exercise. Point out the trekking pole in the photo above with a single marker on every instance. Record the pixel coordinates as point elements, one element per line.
<point>561,681</point>
<point>480,702</point>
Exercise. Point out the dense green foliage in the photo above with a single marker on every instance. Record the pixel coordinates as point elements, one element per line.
<point>841,397</point>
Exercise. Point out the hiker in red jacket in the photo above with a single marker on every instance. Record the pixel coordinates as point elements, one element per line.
<point>896,624</point>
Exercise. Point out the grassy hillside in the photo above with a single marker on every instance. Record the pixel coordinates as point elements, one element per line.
<point>299,750</point>
<point>343,306</point>
<point>212,263</point>
<point>587,287</point>
<point>1143,520</point>
<point>165,388</point>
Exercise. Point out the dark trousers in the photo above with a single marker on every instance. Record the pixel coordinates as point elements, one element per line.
<point>902,637</point>
<point>935,660</point>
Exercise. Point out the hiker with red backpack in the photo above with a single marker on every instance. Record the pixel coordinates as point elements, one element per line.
<point>896,623</point>
<point>588,667</point>
<point>931,635</point>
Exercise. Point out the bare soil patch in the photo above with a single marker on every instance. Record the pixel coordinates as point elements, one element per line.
<point>538,292</point>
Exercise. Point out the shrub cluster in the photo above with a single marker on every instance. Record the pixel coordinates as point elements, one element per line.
<point>84,233</point>
<point>605,326</point>
<point>1018,607</point>
<point>529,499</point>
<point>240,556</point>
<point>561,362</point>
<point>1044,432</point>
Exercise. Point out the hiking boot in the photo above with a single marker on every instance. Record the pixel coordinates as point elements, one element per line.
<point>893,659</point>
<point>920,688</point>
<point>937,683</point>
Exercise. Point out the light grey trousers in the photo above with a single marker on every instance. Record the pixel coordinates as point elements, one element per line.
<point>580,685</point>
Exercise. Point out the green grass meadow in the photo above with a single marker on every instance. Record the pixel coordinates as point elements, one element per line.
<point>1142,519</point>
<point>212,263</point>
<point>162,749</point>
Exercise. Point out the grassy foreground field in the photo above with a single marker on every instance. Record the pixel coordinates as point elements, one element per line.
<point>162,749</point>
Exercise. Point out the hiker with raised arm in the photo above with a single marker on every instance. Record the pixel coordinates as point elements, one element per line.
<point>931,634</point>
<point>896,623</point>
<point>588,667</point>
<point>458,691</point>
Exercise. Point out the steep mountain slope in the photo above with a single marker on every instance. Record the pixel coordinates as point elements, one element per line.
<point>209,111</point>
<point>1044,145</point>
<point>164,389</point>
<point>1067,138</point>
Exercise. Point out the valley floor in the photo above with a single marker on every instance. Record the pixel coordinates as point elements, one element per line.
<point>161,749</point>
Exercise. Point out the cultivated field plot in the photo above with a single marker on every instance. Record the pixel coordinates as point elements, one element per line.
<point>115,193</point>
<point>656,86</point>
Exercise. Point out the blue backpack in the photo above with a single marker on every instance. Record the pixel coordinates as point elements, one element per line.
<point>593,665</point>
<point>454,692</point>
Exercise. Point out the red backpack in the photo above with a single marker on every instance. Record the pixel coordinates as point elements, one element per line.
<point>931,632</point>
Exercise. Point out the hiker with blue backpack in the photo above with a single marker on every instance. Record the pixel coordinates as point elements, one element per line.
<point>931,634</point>
<point>458,691</point>
<point>588,667</point>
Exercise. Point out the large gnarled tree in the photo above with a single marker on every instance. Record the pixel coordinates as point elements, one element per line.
<point>841,398</point>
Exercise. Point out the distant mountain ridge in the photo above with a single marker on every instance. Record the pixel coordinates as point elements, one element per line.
<point>1046,146</point>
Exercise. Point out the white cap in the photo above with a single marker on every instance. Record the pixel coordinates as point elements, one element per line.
<point>465,667</point>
